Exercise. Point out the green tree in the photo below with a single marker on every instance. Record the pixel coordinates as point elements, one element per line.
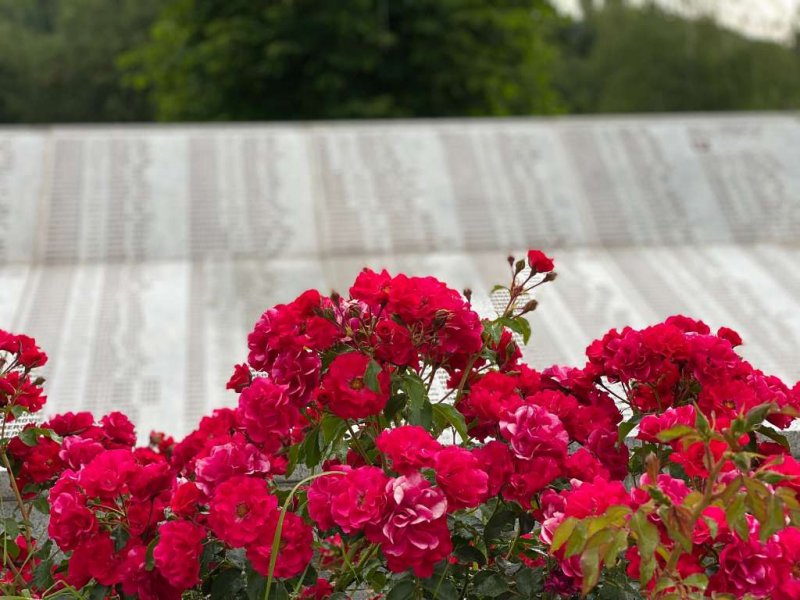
<point>639,59</point>
<point>58,59</point>
<point>307,59</point>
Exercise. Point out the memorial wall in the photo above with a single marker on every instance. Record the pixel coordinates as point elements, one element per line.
<point>140,256</point>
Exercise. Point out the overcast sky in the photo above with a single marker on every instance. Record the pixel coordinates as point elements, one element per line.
<point>760,18</point>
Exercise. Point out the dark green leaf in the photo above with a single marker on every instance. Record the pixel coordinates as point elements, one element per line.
<point>43,574</point>
<point>42,505</point>
<point>256,584</point>
<point>99,592</point>
<point>489,585</point>
<point>371,376</point>
<point>10,527</point>
<point>440,587</point>
<point>503,519</point>
<point>529,582</point>
<point>755,416</point>
<point>311,452</point>
<point>401,591</point>
<point>227,584</point>
<point>774,436</point>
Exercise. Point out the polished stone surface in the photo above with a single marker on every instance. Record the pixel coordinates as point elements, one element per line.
<point>140,256</point>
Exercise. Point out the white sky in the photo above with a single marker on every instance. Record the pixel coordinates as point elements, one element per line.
<point>773,19</point>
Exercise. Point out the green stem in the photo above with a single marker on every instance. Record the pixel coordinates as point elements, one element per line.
<point>276,539</point>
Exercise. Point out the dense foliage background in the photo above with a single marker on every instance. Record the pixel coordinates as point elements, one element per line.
<point>123,60</point>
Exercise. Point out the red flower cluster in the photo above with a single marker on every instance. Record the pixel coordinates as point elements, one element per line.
<point>344,384</point>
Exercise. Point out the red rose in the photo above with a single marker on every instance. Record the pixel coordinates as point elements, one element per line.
<point>539,262</point>
<point>77,451</point>
<point>70,521</point>
<point>409,448</point>
<point>393,344</point>
<point>593,499</point>
<point>150,480</point>
<point>239,508</point>
<point>320,495</point>
<point>185,500</point>
<point>295,550</point>
<point>267,414</point>
<point>177,553</point>
<point>460,477</point>
<point>345,391</point>
<point>106,475</point>
<point>495,458</point>
<point>359,499</point>
<point>240,379</point>
<point>119,431</point>
<point>321,590</point>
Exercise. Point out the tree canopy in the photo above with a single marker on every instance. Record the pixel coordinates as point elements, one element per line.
<point>173,60</point>
<point>305,59</point>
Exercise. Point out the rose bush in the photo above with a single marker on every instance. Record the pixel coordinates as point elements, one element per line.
<point>511,483</point>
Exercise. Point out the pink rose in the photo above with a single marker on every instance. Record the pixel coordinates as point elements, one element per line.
<point>413,534</point>
<point>534,432</point>
<point>361,499</point>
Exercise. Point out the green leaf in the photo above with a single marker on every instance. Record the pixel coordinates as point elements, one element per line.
<point>451,415</point>
<point>310,448</point>
<point>696,580</point>
<point>577,540</point>
<point>256,584</point>
<point>518,325</point>
<point>701,422</point>
<point>331,428</point>
<point>529,582</point>
<point>29,436</point>
<point>713,526</point>
<point>734,515</point>
<point>469,554</point>
<point>755,416</point>
<point>99,592</point>
<point>227,584</point>
<point>395,404</point>
<point>563,533</point>
<point>43,574</point>
<point>489,585</point>
<point>673,433</point>
<point>774,518</point>
<point>420,410</point>
<point>440,587</point>
<point>501,520</point>
<point>371,376</point>
<point>590,566</point>
<point>10,527</point>
<point>628,426</point>
<point>42,505</point>
<point>774,436</point>
<point>647,538</point>
<point>402,591</point>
